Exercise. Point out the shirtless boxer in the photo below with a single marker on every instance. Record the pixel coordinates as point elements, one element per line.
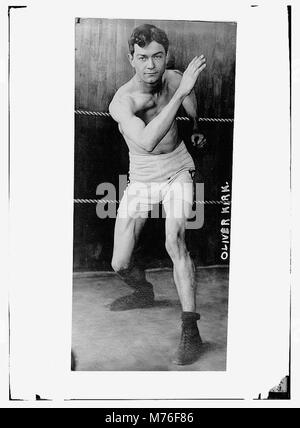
<point>145,109</point>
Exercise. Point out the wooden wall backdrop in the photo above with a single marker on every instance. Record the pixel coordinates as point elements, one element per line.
<point>101,67</point>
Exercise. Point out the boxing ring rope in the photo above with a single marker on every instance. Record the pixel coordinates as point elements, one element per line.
<point>106,114</point>
<point>109,201</point>
<point>200,119</point>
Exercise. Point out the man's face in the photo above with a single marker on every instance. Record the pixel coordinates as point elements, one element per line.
<point>149,62</point>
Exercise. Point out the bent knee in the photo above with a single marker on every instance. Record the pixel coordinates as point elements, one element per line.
<point>119,265</point>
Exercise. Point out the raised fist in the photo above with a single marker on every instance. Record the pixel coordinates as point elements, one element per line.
<point>191,75</point>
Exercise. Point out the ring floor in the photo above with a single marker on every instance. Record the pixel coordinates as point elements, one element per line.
<point>146,339</point>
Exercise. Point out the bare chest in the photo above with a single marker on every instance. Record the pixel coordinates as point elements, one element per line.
<point>148,106</point>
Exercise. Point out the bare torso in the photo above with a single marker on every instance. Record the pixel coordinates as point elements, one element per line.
<point>147,106</point>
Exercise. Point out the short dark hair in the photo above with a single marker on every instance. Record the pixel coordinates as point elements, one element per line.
<point>145,34</point>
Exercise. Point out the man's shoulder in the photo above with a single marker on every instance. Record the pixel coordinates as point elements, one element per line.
<point>173,77</point>
<point>121,100</point>
<point>123,92</point>
<point>174,73</point>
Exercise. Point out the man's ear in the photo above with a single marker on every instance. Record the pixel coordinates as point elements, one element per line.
<point>130,59</point>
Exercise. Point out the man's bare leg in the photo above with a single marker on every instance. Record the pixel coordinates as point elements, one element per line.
<point>183,266</point>
<point>127,232</point>
<point>184,277</point>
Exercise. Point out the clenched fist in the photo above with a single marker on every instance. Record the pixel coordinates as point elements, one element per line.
<point>198,140</point>
<point>191,75</point>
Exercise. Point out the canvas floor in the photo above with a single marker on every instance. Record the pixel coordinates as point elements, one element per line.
<point>146,339</point>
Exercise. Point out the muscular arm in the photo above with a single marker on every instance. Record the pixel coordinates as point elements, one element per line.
<point>189,103</point>
<point>148,136</point>
<point>190,106</point>
<point>145,136</point>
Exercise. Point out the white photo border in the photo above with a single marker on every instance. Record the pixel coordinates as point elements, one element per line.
<point>41,210</point>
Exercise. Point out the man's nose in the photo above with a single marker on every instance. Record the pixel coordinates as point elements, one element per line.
<point>150,63</point>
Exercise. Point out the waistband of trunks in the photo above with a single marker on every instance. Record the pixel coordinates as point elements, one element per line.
<point>155,158</point>
<point>160,168</point>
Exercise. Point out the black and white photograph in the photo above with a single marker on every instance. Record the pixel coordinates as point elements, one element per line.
<point>154,105</point>
<point>149,189</point>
